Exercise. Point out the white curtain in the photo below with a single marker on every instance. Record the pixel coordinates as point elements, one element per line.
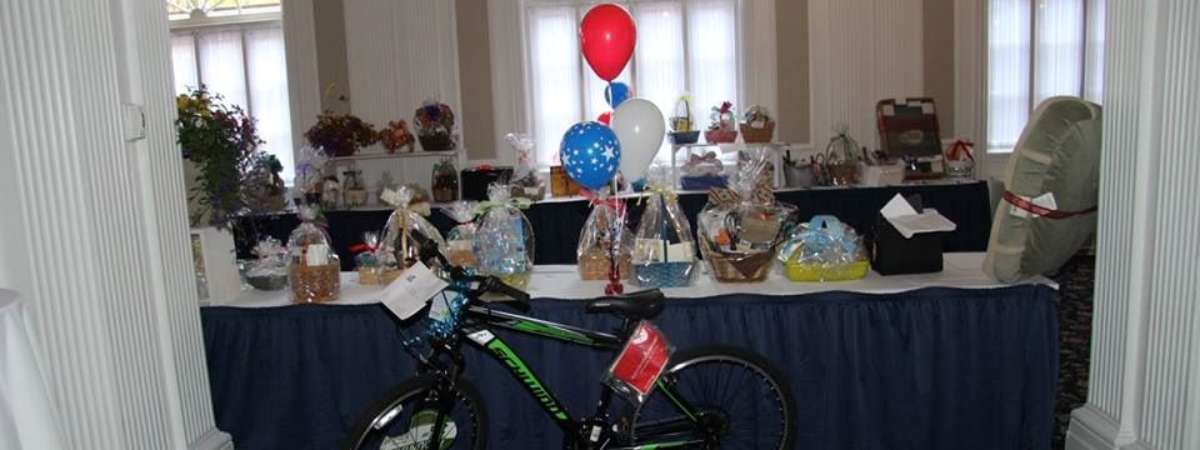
<point>667,63</point>
<point>1059,50</point>
<point>246,66</point>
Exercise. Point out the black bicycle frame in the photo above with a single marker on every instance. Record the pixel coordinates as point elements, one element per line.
<point>479,334</point>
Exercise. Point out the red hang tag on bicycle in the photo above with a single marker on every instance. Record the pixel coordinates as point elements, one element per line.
<point>641,362</point>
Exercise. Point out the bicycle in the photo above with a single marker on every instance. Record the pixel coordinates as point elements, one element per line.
<point>439,410</point>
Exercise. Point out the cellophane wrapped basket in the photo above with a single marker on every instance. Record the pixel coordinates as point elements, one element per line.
<point>268,272</point>
<point>460,241</point>
<point>824,249</point>
<point>758,125</point>
<point>504,240</point>
<point>723,126</point>
<point>445,181</point>
<point>664,254</point>
<point>740,229</point>
<point>314,269</point>
<point>404,234</point>
<point>603,227</point>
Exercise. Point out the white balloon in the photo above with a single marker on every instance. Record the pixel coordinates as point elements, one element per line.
<point>640,127</point>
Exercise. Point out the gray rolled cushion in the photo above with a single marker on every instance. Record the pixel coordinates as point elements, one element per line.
<point>1059,153</point>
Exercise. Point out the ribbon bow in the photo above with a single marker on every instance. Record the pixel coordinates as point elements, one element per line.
<point>959,149</point>
<point>401,199</point>
<point>660,191</point>
<point>513,202</point>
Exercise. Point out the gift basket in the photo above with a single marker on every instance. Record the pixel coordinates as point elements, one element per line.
<point>757,125</point>
<point>445,181</point>
<point>435,126</point>
<point>960,161</point>
<point>703,172</point>
<point>525,180</point>
<point>314,270</point>
<point>603,228</point>
<point>354,190</point>
<point>562,185</point>
<point>269,272</point>
<point>841,159</point>
<point>739,229</point>
<point>723,128</point>
<point>460,241</point>
<point>406,232</point>
<point>504,240</point>
<point>366,259</point>
<point>395,137</point>
<point>664,253</point>
<point>683,129</point>
<point>824,249</point>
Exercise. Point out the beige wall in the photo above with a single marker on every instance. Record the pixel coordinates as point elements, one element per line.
<point>475,79</point>
<point>793,67</point>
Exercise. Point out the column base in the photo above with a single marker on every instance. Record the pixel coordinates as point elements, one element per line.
<point>1092,429</point>
<point>214,439</point>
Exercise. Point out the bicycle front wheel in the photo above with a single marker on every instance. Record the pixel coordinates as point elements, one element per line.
<point>410,416</point>
<point>718,398</point>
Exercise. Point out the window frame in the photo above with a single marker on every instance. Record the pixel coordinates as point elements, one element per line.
<point>579,7</point>
<point>1085,75</point>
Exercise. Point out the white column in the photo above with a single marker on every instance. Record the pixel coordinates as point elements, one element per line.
<point>101,221</point>
<point>1143,390</point>
<point>862,51</point>
<point>304,86</point>
<point>758,70</point>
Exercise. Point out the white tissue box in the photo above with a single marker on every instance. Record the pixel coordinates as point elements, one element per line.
<point>884,175</point>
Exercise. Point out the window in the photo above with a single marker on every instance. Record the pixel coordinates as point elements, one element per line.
<point>235,49</point>
<point>683,46</point>
<point>1039,49</point>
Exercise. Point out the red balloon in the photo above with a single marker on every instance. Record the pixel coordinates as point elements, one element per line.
<point>605,118</point>
<point>607,36</point>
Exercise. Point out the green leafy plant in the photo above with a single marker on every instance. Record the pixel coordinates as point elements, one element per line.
<point>221,140</point>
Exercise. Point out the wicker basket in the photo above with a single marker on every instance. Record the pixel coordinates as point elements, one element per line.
<point>684,137</point>
<point>844,174</point>
<point>752,135</point>
<point>561,185</point>
<point>436,142</point>
<point>732,268</point>
<point>594,265</point>
<point>314,284</point>
<point>720,136</point>
<point>377,276</point>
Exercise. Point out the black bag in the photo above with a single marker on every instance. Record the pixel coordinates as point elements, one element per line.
<point>892,254</point>
<point>475,181</point>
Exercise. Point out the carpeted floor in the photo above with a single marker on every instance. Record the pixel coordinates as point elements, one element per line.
<point>1076,280</point>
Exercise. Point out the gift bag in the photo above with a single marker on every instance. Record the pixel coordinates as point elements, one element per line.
<point>664,253</point>
<point>460,241</point>
<point>504,240</point>
<point>740,228</point>
<point>824,249</point>
<point>314,270</point>
<point>960,159</point>
<point>603,228</point>
<point>405,233</point>
<point>640,364</point>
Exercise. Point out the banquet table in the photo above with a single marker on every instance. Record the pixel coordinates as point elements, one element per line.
<point>557,221</point>
<point>938,361</point>
<point>26,418</point>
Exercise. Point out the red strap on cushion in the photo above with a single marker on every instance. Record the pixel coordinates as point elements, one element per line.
<point>1039,211</point>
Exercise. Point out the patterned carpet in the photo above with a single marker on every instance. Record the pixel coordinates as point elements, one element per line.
<point>1076,280</point>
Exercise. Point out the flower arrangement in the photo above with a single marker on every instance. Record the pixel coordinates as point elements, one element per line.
<point>434,123</point>
<point>340,134</point>
<point>221,140</point>
<point>723,124</point>
<point>395,136</point>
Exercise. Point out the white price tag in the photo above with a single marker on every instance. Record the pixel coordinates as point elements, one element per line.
<point>408,294</point>
<point>439,308</point>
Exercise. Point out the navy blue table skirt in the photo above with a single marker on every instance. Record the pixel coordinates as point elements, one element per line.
<point>930,369</point>
<point>556,225</point>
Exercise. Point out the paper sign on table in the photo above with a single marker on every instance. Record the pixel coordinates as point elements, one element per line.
<point>408,294</point>
<point>908,222</point>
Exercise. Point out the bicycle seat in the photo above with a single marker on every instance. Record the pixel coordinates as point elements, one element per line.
<point>638,305</point>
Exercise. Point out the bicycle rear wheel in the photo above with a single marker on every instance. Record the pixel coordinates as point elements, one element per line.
<point>406,418</point>
<point>735,400</point>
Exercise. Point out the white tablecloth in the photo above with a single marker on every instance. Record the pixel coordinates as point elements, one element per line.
<point>962,270</point>
<point>26,417</point>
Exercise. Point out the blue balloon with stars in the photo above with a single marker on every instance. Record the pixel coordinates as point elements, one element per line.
<point>616,94</point>
<point>591,154</point>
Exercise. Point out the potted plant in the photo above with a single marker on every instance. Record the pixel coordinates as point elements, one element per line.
<point>339,134</point>
<point>220,143</point>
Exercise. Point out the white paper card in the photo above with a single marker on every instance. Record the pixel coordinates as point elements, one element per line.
<point>408,293</point>
<point>680,252</point>
<point>316,255</point>
<point>1045,200</point>
<point>908,222</point>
